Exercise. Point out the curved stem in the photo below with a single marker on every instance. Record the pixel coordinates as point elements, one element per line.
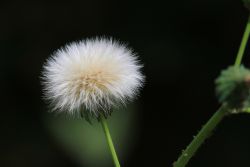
<point>205,132</point>
<point>110,142</point>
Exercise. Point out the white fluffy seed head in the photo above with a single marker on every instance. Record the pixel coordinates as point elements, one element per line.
<point>91,76</point>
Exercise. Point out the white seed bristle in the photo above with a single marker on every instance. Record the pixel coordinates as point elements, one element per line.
<point>93,75</point>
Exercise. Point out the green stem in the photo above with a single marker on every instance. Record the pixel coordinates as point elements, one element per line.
<point>243,44</point>
<point>205,132</point>
<point>110,142</point>
<point>200,138</point>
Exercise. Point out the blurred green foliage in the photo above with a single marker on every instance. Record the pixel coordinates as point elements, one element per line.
<point>247,3</point>
<point>86,143</point>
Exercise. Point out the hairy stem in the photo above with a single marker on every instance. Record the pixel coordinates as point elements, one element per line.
<point>206,130</point>
<point>202,135</point>
<point>110,142</point>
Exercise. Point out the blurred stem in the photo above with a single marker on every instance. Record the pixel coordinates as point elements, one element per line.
<point>206,130</point>
<point>110,142</point>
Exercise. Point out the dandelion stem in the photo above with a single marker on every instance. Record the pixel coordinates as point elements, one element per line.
<point>206,130</point>
<point>110,142</point>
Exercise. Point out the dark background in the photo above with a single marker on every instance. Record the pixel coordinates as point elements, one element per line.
<point>183,45</point>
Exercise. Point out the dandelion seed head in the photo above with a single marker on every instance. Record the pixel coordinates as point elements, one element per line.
<point>91,76</point>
